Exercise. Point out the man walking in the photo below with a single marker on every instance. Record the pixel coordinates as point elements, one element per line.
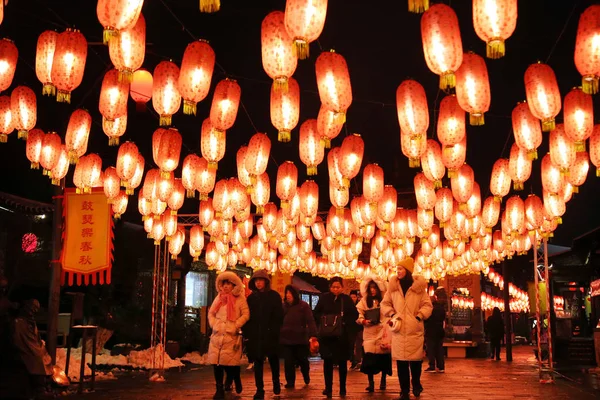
<point>434,334</point>
<point>262,330</point>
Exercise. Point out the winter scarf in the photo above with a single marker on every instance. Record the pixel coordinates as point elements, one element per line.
<point>229,301</point>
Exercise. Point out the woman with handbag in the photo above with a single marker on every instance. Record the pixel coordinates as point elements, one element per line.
<point>336,316</point>
<point>407,304</point>
<point>227,314</point>
<point>377,358</point>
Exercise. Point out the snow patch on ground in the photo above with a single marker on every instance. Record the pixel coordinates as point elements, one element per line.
<point>195,358</point>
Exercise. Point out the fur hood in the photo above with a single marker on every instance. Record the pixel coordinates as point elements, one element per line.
<point>364,285</point>
<point>233,278</point>
<point>419,285</point>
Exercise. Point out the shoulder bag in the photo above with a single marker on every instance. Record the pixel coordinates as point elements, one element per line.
<point>332,324</point>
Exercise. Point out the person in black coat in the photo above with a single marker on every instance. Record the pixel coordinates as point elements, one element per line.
<point>434,335</point>
<point>262,330</point>
<point>336,350</point>
<point>495,332</point>
<point>297,329</point>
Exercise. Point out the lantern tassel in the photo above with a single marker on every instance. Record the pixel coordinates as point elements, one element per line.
<point>418,6</point>
<point>447,80</point>
<point>437,184</point>
<point>326,142</point>
<point>108,34</point>
<point>189,107</point>
<point>339,211</point>
<point>48,90</point>
<point>203,196</point>
<point>260,210</point>
<point>495,49</point>
<point>575,189</point>
<point>129,191</point>
<point>476,119</point>
<point>589,84</point>
<point>113,141</point>
<point>340,117</point>
<point>284,136</point>
<point>55,182</point>
<point>548,125</point>
<point>301,47</point>
<point>73,157</point>
<point>579,147</point>
<point>35,165</point>
<point>190,193</point>
<point>210,6</point>
<point>311,170</point>
<point>598,172</point>
<point>518,185</point>
<point>532,154</point>
<point>3,138</point>
<point>63,97</point>
<point>165,120</point>
<point>414,162</point>
<point>452,173</point>
<point>280,84</point>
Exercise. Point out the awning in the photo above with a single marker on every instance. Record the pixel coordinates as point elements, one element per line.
<point>303,286</point>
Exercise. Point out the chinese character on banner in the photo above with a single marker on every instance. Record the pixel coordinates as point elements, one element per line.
<point>279,281</point>
<point>88,238</point>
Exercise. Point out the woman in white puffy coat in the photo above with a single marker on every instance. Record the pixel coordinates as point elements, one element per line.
<point>408,305</point>
<point>376,333</point>
<point>227,314</point>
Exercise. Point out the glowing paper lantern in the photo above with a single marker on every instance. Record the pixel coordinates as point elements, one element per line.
<point>552,179</point>
<point>494,22</point>
<point>534,211</point>
<point>117,15</point>
<point>68,63</point>
<point>373,183</point>
<point>473,87</point>
<point>261,193</point>
<point>454,156</point>
<point>113,97</point>
<point>490,213</point>
<point>33,145</point>
<point>166,99</point>
<point>141,88</point>
<point>451,121</point>
<point>8,63</point>
<point>386,207</point>
<point>528,134</point>
<point>128,48</point>
<point>442,43</point>
<point>351,155</point>
<point>462,184</point>
<point>175,200</point>
<point>61,168</point>
<point>309,198</point>
<point>189,170</point>
<point>285,109</point>
<point>287,180</point>
<point>278,56</point>
<point>304,22</point>
<point>224,107</point>
<point>311,151</point>
<point>91,172</point>
<point>333,81</point>
<point>432,164</point>
<point>562,150</point>
<point>595,149</point>
<point>212,144</point>
<point>413,147</point>
<point>44,56</point>
<point>196,73</point>
<point>328,125</point>
<point>411,105</point>
<point>23,106</point>
<point>443,206</point>
<point>519,166</point>
<point>167,149</point>
<point>112,183</point>
<point>578,171</point>
<point>78,132</point>
<point>6,120</point>
<point>543,95</point>
<point>473,208</point>
<point>587,57</point>
<point>50,151</point>
<point>115,129</point>
<point>257,156</point>
<point>579,117</point>
<point>500,179</point>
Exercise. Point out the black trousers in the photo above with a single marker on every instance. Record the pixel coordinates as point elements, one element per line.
<point>258,371</point>
<point>435,352</point>
<point>233,374</point>
<point>405,370</point>
<point>328,373</point>
<point>295,354</point>
<point>496,346</point>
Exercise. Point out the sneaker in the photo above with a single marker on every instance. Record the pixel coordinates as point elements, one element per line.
<point>430,369</point>
<point>441,371</point>
<point>250,366</point>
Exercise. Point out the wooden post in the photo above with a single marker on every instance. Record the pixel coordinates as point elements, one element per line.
<point>56,267</point>
<point>507,319</point>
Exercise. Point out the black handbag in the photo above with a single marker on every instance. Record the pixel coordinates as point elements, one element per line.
<point>373,315</point>
<point>332,325</point>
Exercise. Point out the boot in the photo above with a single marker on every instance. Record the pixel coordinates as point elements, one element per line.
<point>328,392</point>
<point>382,384</point>
<point>371,387</point>
<point>276,388</point>
<point>238,385</point>
<point>404,396</point>
<point>259,395</point>
<point>220,393</point>
<point>417,390</point>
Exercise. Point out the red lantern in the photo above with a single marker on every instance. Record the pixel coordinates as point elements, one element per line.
<point>6,120</point>
<point>240,159</point>
<point>351,153</point>
<point>543,95</point>
<point>534,211</point>
<point>519,166</point>
<point>44,56</point>
<point>190,168</point>
<point>118,15</point>
<point>112,183</point>
<point>127,161</point>
<point>50,151</point>
<point>595,149</point>
<point>490,213</point>
<point>386,207</point>
<point>473,88</point>
<point>68,63</point>
<point>311,151</point>
<point>285,109</point>
<point>328,125</point>
<point>113,97</point>
<point>339,198</point>
<point>196,241</point>
<point>432,164</point>
<point>528,134</point>
<point>443,206</point>
<point>454,156</point>
<point>579,117</point>
<point>212,144</point>
<point>128,49</point>
<point>257,156</point>
<point>278,56</point>
<point>451,122</point>
<point>500,180</point>
<point>552,179</point>
<point>333,81</point>
<point>411,105</point>
<point>562,149</point>
<point>196,73</point>
<point>166,150</point>
<point>23,107</point>
<point>226,101</point>
<point>474,203</point>
<point>8,63</point>
<point>442,43</point>
<point>141,88</point>
<point>373,183</point>
<point>304,22</point>
<point>587,58</point>
<point>309,198</point>
<point>91,172</point>
<point>494,22</point>
<point>333,166</point>
<point>413,147</point>
<point>33,145</point>
<point>78,132</point>
<point>175,200</point>
<point>578,171</point>
<point>61,168</point>
<point>424,192</point>
<point>554,206</point>
<point>261,193</point>
<point>462,184</point>
<point>287,180</point>
<point>166,99</point>
<point>115,129</point>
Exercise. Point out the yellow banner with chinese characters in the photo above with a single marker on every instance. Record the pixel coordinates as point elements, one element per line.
<point>279,281</point>
<point>87,238</point>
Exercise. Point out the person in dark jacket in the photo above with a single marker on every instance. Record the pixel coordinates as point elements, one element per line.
<point>358,354</point>
<point>336,350</point>
<point>495,332</point>
<point>298,327</point>
<point>262,330</point>
<point>434,335</point>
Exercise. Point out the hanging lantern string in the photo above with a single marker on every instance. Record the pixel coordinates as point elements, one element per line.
<point>576,3</point>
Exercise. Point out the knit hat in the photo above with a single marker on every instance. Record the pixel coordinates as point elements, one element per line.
<point>259,274</point>
<point>408,264</point>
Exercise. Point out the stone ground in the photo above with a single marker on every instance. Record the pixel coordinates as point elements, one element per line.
<point>464,379</point>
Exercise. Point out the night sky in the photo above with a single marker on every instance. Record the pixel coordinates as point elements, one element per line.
<point>382,46</point>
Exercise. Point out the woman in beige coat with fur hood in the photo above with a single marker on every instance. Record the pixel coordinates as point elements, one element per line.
<point>408,305</point>
<point>227,314</point>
